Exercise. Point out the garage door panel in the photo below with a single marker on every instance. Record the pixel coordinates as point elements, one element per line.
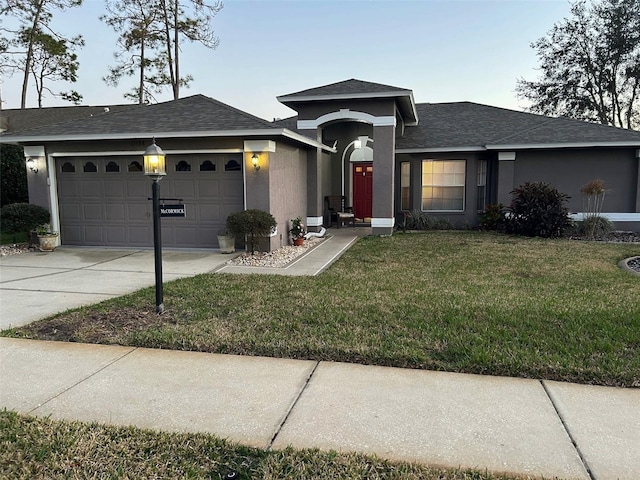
<point>140,235</point>
<point>187,236</point>
<point>72,235</point>
<point>209,188</point>
<point>138,189</point>
<point>139,212</point>
<point>113,188</point>
<point>91,189</point>
<point>93,235</point>
<point>70,188</point>
<point>115,212</point>
<point>210,212</point>
<point>92,211</point>
<point>184,188</point>
<point>116,235</point>
<point>71,211</point>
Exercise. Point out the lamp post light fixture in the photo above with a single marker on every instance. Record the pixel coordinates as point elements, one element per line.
<point>255,160</point>
<point>155,169</point>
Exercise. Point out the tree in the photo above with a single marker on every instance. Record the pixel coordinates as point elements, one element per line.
<point>190,20</point>
<point>590,65</point>
<point>151,32</point>
<point>28,45</point>
<point>53,60</point>
<point>138,24</point>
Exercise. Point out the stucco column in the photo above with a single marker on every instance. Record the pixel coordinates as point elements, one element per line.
<point>506,176</point>
<point>638,182</point>
<point>314,179</point>
<point>314,190</point>
<point>383,219</point>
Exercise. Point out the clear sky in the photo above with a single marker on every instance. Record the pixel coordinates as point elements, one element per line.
<point>443,50</point>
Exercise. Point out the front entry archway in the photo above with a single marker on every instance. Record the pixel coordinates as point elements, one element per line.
<point>363,189</point>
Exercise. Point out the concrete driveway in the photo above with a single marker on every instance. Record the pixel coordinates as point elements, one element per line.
<point>38,284</point>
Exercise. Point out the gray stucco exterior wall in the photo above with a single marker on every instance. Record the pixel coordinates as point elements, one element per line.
<point>288,189</point>
<point>569,170</point>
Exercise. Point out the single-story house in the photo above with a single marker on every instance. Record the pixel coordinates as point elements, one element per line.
<point>368,142</point>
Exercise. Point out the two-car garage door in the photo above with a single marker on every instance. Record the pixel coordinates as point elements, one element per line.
<point>106,200</point>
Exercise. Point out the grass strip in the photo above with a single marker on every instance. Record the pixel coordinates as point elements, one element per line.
<point>35,447</point>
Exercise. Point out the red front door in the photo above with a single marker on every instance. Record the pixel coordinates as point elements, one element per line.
<point>362,189</point>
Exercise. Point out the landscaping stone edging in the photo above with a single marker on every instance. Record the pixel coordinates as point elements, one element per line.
<point>624,264</point>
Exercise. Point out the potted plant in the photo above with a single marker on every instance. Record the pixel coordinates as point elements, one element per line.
<point>46,237</point>
<point>297,231</point>
<point>251,226</point>
<point>226,241</point>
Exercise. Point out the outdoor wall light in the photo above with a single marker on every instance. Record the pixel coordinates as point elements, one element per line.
<point>31,163</point>
<point>154,162</point>
<point>255,159</point>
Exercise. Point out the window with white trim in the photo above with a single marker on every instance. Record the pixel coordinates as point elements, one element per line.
<point>405,185</point>
<point>443,183</point>
<point>482,184</point>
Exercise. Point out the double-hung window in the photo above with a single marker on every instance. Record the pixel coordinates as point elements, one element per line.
<point>443,183</point>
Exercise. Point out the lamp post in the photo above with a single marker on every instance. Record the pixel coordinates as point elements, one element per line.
<point>154,168</point>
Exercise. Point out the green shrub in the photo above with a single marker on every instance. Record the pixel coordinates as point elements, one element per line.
<point>251,224</point>
<point>595,226</point>
<point>493,218</point>
<point>13,175</point>
<point>537,210</point>
<point>22,217</point>
<point>419,220</point>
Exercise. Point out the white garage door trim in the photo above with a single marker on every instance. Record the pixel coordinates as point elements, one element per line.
<point>54,158</point>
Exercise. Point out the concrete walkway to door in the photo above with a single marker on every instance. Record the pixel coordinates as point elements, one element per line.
<point>35,285</point>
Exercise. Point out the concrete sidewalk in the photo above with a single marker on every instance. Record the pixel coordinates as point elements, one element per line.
<point>518,426</point>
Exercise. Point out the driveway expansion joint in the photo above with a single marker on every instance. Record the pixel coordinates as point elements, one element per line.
<point>293,404</point>
<point>566,429</point>
<point>92,374</point>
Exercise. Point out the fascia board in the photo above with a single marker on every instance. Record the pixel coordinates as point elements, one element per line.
<point>441,149</point>
<point>159,135</point>
<point>344,96</point>
<point>542,146</point>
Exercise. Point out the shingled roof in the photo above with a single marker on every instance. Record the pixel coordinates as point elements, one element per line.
<point>20,119</point>
<point>467,125</point>
<point>355,89</point>
<point>346,87</point>
<point>193,114</point>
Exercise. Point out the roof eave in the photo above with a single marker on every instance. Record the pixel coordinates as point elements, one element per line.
<point>542,146</point>
<point>468,148</point>
<point>276,132</point>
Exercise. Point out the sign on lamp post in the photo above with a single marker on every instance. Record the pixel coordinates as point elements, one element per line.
<point>154,168</point>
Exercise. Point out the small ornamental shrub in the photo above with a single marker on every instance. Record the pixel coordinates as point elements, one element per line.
<point>595,227</point>
<point>419,220</point>
<point>22,217</point>
<point>493,218</point>
<point>297,229</point>
<point>594,224</point>
<point>537,210</point>
<point>251,224</point>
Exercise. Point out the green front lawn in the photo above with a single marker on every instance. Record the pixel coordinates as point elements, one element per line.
<point>43,448</point>
<point>455,301</point>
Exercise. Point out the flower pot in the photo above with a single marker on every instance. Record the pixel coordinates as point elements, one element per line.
<point>48,243</point>
<point>227,243</point>
<point>298,242</point>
